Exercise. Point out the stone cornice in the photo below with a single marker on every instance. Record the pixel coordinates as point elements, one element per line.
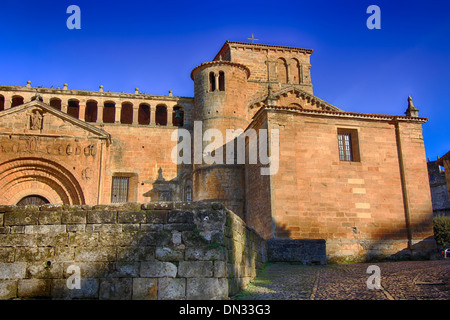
<point>218,63</point>
<point>340,114</point>
<point>87,93</point>
<point>253,46</point>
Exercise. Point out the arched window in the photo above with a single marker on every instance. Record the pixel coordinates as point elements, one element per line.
<point>144,114</point>
<point>178,116</point>
<point>161,115</point>
<point>126,114</point>
<point>188,193</point>
<point>32,200</point>
<point>212,82</point>
<point>16,101</point>
<point>73,108</point>
<point>294,71</point>
<point>282,75</point>
<point>221,81</point>
<point>55,103</point>
<point>2,103</point>
<point>109,112</point>
<point>90,114</point>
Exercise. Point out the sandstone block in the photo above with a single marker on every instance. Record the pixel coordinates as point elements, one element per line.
<point>190,269</point>
<point>95,253</point>
<point>157,206</point>
<point>15,270</point>
<point>44,270</point>
<point>8,289</point>
<point>89,289</point>
<point>157,269</point>
<point>169,254</point>
<point>19,218</point>
<point>73,217</point>
<point>50,217</point>
<point>116,289</point>
<point>156,216</point>
<point>7,254</point>
<point>161,238</point>
<point>145,289</point>
<point>171,289</point>
<point>176,216</point>
<point>206,254</point>
<point>34,254</point>
<point>102,217</point>
<point>206,289</point>
<point>132,217</point>
<point>33,288</point>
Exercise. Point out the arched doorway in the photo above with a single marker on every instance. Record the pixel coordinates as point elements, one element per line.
<point>24,177</point>
<point>32,200</point>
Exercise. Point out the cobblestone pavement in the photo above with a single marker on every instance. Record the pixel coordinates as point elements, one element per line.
<point>406,280</point>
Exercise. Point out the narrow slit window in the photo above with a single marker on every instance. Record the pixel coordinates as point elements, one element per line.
<point>221,81</point>
<point>212,82</point>
<point>120,189</point>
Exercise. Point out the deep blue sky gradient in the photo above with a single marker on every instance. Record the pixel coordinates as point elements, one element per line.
<point>154,45</point>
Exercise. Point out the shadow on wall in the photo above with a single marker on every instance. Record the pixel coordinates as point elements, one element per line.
<point>391,245</point>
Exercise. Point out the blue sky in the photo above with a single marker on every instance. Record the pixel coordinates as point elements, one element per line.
<point>154,45</point>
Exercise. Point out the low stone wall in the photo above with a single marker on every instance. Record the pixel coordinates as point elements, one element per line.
<point>304,251</point>
<point>132,251</point>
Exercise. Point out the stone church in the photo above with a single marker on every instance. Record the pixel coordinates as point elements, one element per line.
<point>357,180</point>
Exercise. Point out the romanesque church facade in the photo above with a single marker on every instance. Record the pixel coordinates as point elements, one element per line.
<point>358,180</point>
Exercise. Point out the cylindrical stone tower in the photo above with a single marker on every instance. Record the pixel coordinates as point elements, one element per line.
<point>220,102</point>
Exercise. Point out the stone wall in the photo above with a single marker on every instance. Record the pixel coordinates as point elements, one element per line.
<point>160,250</point>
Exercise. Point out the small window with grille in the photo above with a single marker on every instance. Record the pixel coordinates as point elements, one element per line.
<point>348,145</point>
<point>120,186</point>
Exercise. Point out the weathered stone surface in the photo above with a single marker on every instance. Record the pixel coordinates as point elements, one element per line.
<point>207,254</point>
<point>136,253</point>
<point>45,229</point>
<point>171,289</point>
<point>20,218</point>
<point>7,254</point>
<point>95,253</point>
<point>73,217</point>
<point>50,217</point>
<point>34,254</point>
<point>118,239</point>
<point>176,216</point>
<point>8,289</point>
<point>116,289</point>
<point>102,217</point>
<point>160,238</point>
<point>45,270</point>
<point>220,269</point>
<point>206,289</point>
<point>89,289</point>
<point>132,217</point>
<point>157,206</point>
<point>157,269</point>
<point>76,228</point>
<point>33,288</point>
<point>191,269</point>
<point>83,239</point>
<point>16,270</point>
<point>169,254</point>
<point>145,289</point>
<point>156,216</point>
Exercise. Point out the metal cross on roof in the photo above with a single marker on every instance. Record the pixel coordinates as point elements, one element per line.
<point>252,38</point>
